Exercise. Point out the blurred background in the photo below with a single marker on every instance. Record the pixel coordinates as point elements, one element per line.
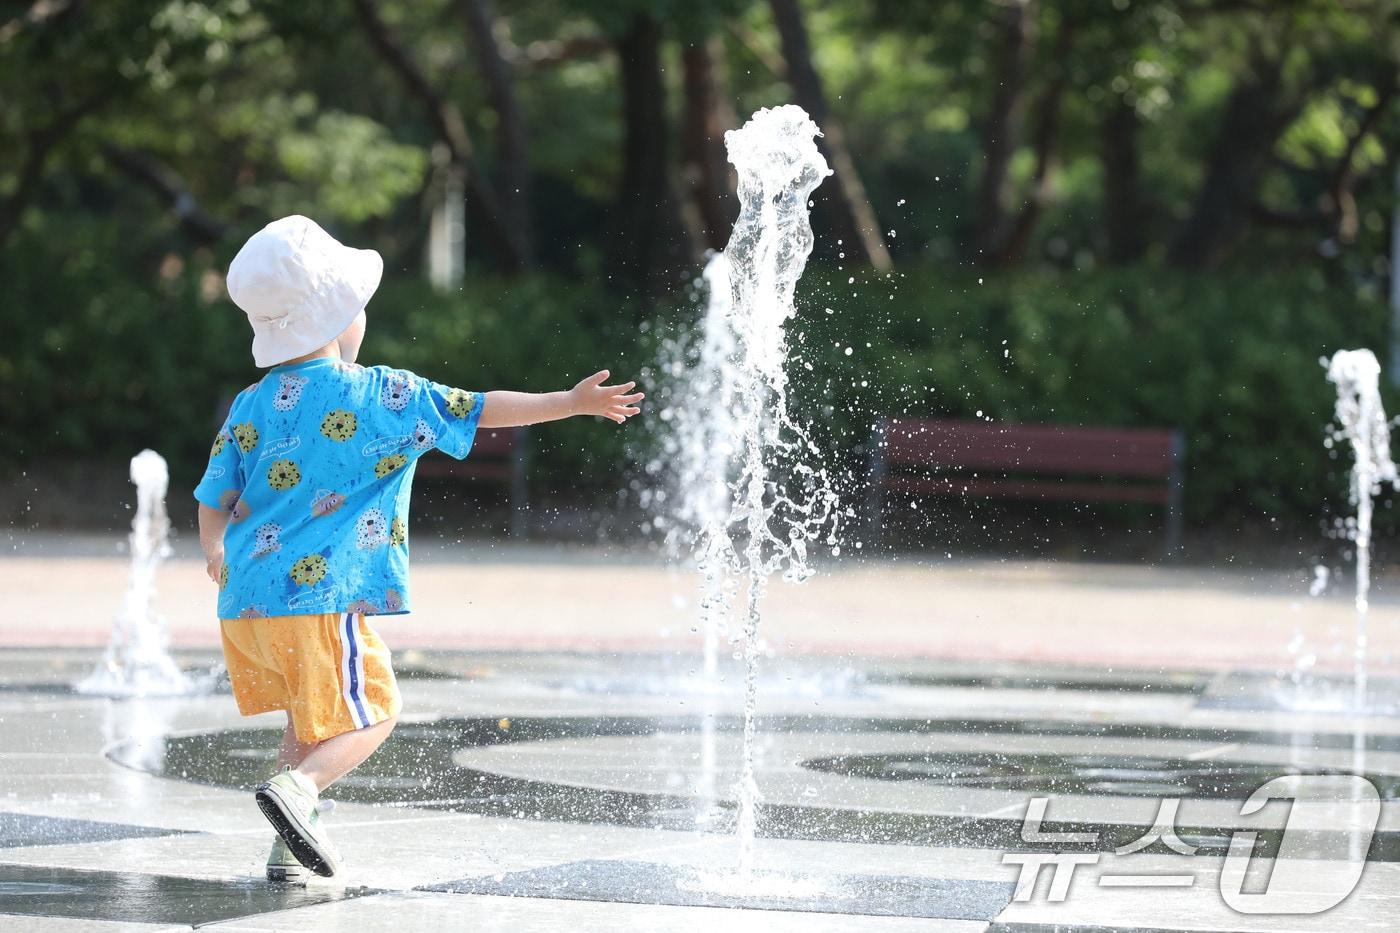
<point>1140,213</point>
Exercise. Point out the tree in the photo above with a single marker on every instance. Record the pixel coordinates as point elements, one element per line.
<point>1259,108</point>
<point>1001,125</point>
<point>503,230</point>
<point>1045,140</point>
<point>648,240</point>
<point>851,215</point>
<point>46,107</point>
<point>1296,57</point>
<point>512,139</point>
<point>707,115</point>
<point>1124,229</point>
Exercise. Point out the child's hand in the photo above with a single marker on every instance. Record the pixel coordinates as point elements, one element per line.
<point>214,565</point>
<point>591,397</point>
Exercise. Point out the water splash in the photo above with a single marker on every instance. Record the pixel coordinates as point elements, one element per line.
<point>1322,576</point>
<point>688,497</point>
<point>743,489</point>
<point>1362,422</point>
<point>776,495</point>
<point>760,885</point>
<point>137,661</point>
<point>704,435</point>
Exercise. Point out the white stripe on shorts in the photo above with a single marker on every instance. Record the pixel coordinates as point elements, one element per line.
<point>352,673</point>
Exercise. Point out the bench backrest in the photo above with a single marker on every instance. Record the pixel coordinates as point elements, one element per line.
<point>1044,448</point>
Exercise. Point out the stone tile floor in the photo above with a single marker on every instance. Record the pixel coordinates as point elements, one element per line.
<point>592,791</point>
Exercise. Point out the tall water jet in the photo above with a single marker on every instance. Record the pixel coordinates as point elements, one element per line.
<point>1362,421</point>
<point>779,495</point>
<point>137,661</point>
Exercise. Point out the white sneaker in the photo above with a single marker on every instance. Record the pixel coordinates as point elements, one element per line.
<point>291,809</point>
<point>282,865</point>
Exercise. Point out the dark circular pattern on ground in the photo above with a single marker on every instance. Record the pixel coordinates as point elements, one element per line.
<point>416,768</point>
<point>1112,775</point>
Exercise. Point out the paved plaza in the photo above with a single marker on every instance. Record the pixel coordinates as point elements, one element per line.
<point>563,761</point>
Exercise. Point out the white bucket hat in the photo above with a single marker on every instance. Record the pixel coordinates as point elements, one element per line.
<point>300,287</point>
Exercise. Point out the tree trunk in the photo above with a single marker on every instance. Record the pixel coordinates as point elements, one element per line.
<point>29,176</point>
<point>39,148</point>
<point>1123,213</point>
<point>449,127</point>
<point>1340,202</point>
<point>850,214</point>
<point>1045,141</point>
<point>197,223</point>
<point>512,142</point>
<point>708,177</point>
<point>40,13</point>
<point>648,238</point>
<point>1257,112</point>
<point>1001,131</point>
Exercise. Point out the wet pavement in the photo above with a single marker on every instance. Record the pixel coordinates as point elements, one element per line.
<point>533,790</point>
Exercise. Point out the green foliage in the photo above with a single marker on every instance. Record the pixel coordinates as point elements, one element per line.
<point>536,335</point>
<point>103,363</point>
<point>346,166</point>
<point>1233,360</point>
<point>119,366</point>
<point>118,334</point>
<point>689,19</point>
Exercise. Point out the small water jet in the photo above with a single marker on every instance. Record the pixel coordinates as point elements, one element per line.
<point>1363,424</point>
<point>137,662</point>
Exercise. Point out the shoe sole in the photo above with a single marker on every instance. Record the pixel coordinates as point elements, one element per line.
<point>289,827</point>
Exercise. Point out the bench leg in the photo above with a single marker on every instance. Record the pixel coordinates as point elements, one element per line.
<point>1176,496</point>
<point>876,473</point>
<point>875,516</point>
<point>520,488</point>
<point>1173,532</point>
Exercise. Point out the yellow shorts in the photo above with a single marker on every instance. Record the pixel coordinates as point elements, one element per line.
<point>330,671</point>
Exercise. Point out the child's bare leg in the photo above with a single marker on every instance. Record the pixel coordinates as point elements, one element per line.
<point>329,761</point>
<point>293,751</point>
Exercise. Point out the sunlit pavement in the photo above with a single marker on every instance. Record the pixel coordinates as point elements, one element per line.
<point>906,725</point>
<point>64,590</point>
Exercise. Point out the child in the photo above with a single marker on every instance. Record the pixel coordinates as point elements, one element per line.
<point>303,513</point>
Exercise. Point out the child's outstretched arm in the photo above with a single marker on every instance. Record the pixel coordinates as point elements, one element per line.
<point>589,397</point>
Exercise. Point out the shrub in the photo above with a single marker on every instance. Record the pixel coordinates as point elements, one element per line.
<point>98,364</point>
<point>1230,359</point>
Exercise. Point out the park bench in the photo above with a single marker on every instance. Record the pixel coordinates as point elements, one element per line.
<point>498,455</point>
<point>936,457</point>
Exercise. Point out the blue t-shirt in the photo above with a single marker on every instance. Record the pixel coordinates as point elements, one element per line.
<point>314,465</point>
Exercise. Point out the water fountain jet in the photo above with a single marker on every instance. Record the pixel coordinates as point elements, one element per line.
<point>1361,416</point>
<point>137,662</point>
<point>752,489</point>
